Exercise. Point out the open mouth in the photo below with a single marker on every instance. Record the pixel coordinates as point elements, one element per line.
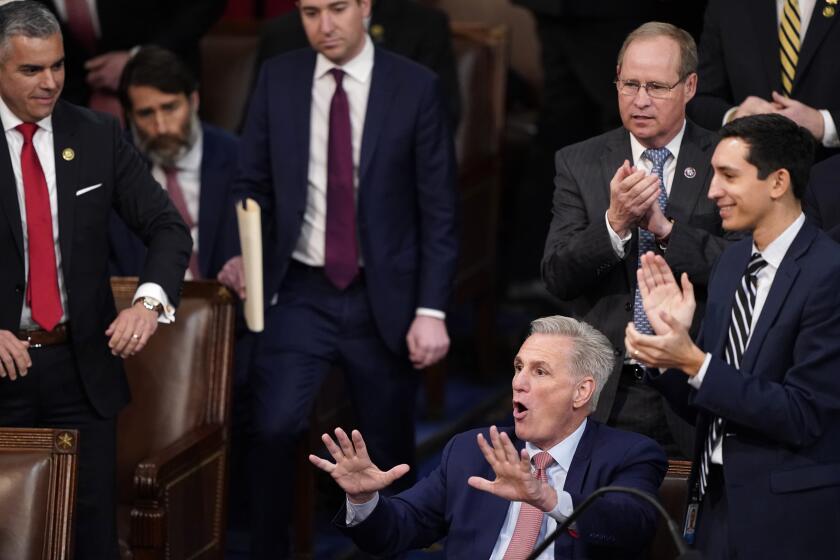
<point>519,410</point>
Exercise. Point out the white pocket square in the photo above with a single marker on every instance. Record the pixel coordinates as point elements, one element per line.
<point>80,192</point>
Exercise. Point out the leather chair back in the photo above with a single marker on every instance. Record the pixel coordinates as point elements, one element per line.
<point>37,493</point>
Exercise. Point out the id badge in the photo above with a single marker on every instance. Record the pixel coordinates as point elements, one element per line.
<point>690,521</point>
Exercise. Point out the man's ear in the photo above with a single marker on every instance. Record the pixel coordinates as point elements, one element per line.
<point>781,184</point>
<point>584,391</point>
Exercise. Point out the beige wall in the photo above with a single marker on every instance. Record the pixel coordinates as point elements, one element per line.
<point>524,55</point>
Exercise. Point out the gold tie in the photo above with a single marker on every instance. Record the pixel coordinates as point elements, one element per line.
<point>789,43</point>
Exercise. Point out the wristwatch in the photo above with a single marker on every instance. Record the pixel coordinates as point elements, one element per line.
<point>152,304</point>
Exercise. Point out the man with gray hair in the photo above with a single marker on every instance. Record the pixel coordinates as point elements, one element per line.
<point>638,188</point>
<point>63,169</point>
<point>499,492</point>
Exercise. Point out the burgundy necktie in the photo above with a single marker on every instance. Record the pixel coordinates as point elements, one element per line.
<point>173,187</point>
<point>341,260</point>
<point>530,519</point>
<point>80,23</point>
<point>42,288</point>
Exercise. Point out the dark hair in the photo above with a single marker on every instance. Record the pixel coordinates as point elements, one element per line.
<point>775,142</point>
<point>29,19</point>
<point>158,68</point>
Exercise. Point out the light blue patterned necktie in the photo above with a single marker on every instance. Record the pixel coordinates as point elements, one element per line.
<point>647,241</point>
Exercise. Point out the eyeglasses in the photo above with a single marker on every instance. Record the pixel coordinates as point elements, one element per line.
<point>631,88</point>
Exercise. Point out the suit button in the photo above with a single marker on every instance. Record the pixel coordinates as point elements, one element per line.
<point>628,306</point>
<point>617,352</point>
<point>18,289</point>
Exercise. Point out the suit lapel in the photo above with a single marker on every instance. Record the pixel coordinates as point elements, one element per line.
<point>616,150</point>
<point>731,277</point>
<point>210,204</point>
<point>301,110</point>
<point>817,31</point>
<point>765,21</point>
<point>579,466</point>
<point>688,187</point>
<point>782,283</point>
<point>66,178</point>
<point>9,198</point>
<point>379,104</point>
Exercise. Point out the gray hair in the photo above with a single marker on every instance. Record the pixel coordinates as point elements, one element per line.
<point>652,29</point>
<point>27,18</point>
<point>592,353</point>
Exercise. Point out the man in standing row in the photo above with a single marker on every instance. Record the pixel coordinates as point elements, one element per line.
<point>637,188</point>
<point>349,151</point>
<point>61,340</point>
<point>761,382</point>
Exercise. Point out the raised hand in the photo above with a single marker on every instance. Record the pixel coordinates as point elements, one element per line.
<point>632,192</point>
<point>661,294</point>
<point>353,470</point>
<point>514,480</point>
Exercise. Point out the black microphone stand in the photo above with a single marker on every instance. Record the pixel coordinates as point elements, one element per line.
<point>685,553</point>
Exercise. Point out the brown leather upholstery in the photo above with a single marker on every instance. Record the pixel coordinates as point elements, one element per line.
<point>228,55</point>
<point>673,493</point>
<point>37,493</point>
<point>481,61</point>
<point>172,438</point>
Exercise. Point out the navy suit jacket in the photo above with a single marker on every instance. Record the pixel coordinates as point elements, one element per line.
<point>444,505</point>
<point>218,236</point>
<point>821,202</point>
<point>405,211</point>
<point>781,462</point>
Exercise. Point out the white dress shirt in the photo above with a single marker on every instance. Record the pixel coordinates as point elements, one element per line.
<point>43,143</point>
<point>356,83</point>
<point>636,149</point>
<point>773,254</point>
<point>188,173</point>
<point>562,453</point>
<point>830,138</point>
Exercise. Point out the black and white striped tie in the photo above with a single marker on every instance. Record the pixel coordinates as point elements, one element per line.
<point>736,343</point>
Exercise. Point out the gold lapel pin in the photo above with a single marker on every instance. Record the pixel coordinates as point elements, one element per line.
<point>831,2</point>
<point>68,154</point>
<point>377,32</point>
<point>828,11</point>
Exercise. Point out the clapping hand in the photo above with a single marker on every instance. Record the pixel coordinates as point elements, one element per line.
<point>514,480</point>
<point>662,295</point>
<point>353,470</point>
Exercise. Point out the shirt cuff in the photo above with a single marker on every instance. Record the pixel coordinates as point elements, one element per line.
<point>154,291</point>
<point>616,241</point>
<point>697,380</point>
<point>830,138</point>
<point>727,116</point>
<point>426,312</point>
<point>356,513</point>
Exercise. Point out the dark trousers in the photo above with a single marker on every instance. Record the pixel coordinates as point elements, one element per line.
<point>712,525</point>
<point>312,328</point>
<point>51,396</point>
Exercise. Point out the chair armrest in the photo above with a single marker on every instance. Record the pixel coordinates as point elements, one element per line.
<point>154,473</point>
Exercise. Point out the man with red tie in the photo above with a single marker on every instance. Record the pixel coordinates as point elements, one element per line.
<point>498,493</point>
<point>349,152</point>
<point>61,340</point>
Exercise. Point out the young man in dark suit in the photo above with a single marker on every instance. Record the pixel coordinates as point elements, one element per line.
<point>483,491</point>
<point>761,381</point>
<point>348,150</point>
<point>641,185</point>
<point>61,341</point>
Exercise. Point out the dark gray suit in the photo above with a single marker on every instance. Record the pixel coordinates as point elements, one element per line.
<point>579,264</point>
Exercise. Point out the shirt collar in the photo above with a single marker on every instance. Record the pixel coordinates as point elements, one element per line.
<point>776,249</point>
<point>673,146</point>
<point>11,121</point>
<point>359,68</point>
<point>563,452</point>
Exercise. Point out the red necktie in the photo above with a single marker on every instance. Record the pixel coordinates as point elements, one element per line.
<point>530,519</point>
<point>42,289</point>
<point>341,259</point>
<point>80,23</point>
<point>173,187</point>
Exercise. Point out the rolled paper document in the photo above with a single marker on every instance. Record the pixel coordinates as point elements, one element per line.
<point>250,237</point>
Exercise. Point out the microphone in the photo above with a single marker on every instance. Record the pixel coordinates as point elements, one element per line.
<point>684,552</point>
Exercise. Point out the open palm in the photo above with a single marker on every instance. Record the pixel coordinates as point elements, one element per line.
<point>353,470</point>
<point>661,293</point>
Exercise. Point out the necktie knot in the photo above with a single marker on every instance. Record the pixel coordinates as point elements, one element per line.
<point>542,461</point>
<point>757,262</point>
<point>338,75</point>
<point>28,130</point>
<point>658,157</point>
